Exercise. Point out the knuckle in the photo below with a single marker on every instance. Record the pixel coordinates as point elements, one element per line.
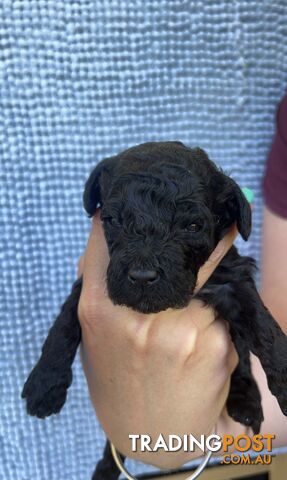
<point>148,338</point>
<point>233,359</point>
<point>188,346</point>
<point>138,334</point>
<point>223,351</point>
<point>88,311</point>
<point>221,344</point>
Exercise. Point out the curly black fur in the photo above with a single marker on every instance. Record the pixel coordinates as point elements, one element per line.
<point>164,207</point>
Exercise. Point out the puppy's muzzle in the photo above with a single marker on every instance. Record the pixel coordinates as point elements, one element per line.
<point>143,277</point>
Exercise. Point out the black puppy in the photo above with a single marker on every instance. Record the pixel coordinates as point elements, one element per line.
<point>165,207</point>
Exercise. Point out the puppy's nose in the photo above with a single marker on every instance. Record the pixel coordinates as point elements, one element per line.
<point>143,276</point>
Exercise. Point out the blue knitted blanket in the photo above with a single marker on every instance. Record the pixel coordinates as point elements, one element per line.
<point>83,79</point>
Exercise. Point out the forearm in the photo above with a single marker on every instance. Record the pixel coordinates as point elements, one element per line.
<point>274,266</point>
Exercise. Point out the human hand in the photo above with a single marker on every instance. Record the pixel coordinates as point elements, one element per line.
<point>165,373</point>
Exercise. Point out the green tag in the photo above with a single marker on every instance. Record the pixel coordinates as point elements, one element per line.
<point>249,195</point>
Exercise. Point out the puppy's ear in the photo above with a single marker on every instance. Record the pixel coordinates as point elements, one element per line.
<point>232,205</point>
<point>96,184</point>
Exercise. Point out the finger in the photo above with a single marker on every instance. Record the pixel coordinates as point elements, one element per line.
<point>80,266</point>
<point>96,259</point>
<point>217,255</point>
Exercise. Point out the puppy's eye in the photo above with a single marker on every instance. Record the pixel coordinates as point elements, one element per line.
<point>112,221</point>
<point>193,228</point>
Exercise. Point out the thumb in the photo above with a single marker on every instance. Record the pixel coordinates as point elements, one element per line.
<point>215,258</point>
<point>96,260</point>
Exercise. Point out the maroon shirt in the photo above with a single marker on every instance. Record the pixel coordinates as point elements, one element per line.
<point>275,179</point>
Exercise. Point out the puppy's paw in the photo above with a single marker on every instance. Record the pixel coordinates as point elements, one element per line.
<point>45,391</point>
<point>247,413</point>
<point>244,399</point>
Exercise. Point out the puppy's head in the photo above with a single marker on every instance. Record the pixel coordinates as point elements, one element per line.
<point>164,207</point>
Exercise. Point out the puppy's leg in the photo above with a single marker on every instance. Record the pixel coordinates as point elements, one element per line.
<point>241,306</point>
<point>244,400</point>
<point>45,390</point>
<point>268,342</point>
<point>106,468</point>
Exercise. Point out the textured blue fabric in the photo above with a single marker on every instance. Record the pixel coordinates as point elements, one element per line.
<point>83,79</point>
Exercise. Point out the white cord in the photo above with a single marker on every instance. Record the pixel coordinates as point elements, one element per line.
<point>193,476</point>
